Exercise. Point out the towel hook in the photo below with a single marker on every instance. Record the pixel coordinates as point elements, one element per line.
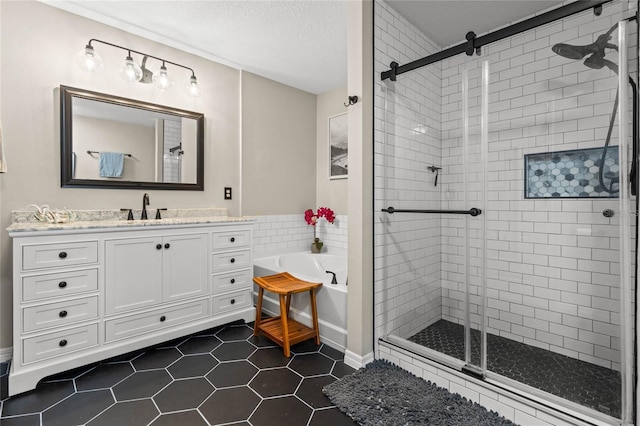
<point>352,101</point>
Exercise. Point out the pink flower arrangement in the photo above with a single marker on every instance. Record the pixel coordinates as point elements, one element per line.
<point>312,218</point>
<point>325,212</point>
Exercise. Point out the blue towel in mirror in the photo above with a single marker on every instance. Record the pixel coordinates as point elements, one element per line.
<point>111,164</point>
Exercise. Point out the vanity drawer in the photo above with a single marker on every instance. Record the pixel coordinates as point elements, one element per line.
<point>232,301</point>
<point>231,260</point>
<point>231,239</point>
<point>58,314</point>
<point>61,284</point>
<point>59,343</point>
<point>133,325</point>
<point>231,281</point>
<point>57,255</point>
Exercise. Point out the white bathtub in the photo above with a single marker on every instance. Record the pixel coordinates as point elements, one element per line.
<point>331,299</point>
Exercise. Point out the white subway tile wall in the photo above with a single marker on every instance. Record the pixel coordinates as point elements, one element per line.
<point>552,265</point>
<point>275,233</point>
<point>171,160</point>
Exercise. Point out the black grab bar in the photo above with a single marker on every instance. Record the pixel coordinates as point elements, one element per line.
<point>472,211</point>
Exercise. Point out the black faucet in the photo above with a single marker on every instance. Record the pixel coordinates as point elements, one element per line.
<point>333,280</point>
<point>145,203</point>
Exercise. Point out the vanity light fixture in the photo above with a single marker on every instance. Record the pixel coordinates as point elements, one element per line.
<point>89,61</point>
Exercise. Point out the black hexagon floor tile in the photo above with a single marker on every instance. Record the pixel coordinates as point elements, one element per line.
<point>199,345</point>
<point>310,391</point>
<point>311,364</point>
<point>229,334</point>
<point>142,384</point>
<point>35,401</point>
<point>29,420</point>
<point>104,376</point>
<point>129,413</point>
<point>269,358</point>
<point>330,417</point>
<point>276,382</point>
<point>183,395</point>
<point>78,408</point>
<point>340,369</point>
<point>183,418</point>
<point>262,341</point>
<point>332,353</point>
<point>281,411</point>
<point>192,366</point>
<point>156,358</point>
<point>233,351</point>
<point>233,373</point>
<point>229,405</point>
<point>307,346</point>
<point>175,376</point>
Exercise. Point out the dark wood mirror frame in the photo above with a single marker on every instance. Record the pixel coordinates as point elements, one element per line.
<point>67,94</point>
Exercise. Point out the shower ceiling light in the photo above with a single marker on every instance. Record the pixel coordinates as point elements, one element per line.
<point>89,61</point>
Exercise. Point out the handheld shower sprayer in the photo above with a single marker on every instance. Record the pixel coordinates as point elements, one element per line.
<point>595,53</point>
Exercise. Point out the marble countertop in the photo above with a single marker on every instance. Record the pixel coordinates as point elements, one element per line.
<point>114,219</point>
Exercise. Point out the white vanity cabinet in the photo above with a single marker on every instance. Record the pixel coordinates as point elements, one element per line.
<point>147,271</point>
<point>83,294</point>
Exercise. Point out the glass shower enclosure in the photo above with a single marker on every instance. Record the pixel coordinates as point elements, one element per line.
<point>505,216</point>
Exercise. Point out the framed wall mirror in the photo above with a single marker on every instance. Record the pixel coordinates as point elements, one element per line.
<point>113,142</point>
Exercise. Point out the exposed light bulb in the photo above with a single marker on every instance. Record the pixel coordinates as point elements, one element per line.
<point>161,79</point>
<point>88,60</point>
<point>193,88</point>
<point>130,71</point>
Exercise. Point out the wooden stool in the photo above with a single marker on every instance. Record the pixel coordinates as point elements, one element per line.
<point>282,329</point>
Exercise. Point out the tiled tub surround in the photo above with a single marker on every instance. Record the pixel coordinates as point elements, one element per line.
<point>552,264</point>
<point>288,233</point>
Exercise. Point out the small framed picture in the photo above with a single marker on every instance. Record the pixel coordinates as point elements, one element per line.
<point>338,146</point>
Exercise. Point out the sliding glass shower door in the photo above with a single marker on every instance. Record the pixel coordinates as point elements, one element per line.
<point>504,245</point>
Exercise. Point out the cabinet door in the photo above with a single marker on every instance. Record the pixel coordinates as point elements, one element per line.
<point>184,266</point>
<point>133,273</point>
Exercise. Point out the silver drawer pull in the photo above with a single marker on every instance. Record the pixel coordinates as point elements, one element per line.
<point>62,314</point>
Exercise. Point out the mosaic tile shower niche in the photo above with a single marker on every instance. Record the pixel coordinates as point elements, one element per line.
<point>572,174</point>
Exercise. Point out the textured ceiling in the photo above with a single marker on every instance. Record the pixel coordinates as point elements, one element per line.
<point>301,43</point>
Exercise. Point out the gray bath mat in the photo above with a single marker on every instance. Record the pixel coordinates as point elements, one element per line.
<point>383,394</point>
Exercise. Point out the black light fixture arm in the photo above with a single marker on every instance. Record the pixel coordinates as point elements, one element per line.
<point>140,53</point>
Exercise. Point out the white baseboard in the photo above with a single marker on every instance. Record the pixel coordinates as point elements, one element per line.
<point>356,361</point>
<point>6,354</point>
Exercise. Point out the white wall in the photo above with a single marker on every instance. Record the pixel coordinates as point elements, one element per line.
<point>31,130</point>
<point>278,147</point>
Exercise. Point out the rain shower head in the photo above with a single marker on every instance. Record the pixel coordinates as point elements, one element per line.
<point>595,49</point>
